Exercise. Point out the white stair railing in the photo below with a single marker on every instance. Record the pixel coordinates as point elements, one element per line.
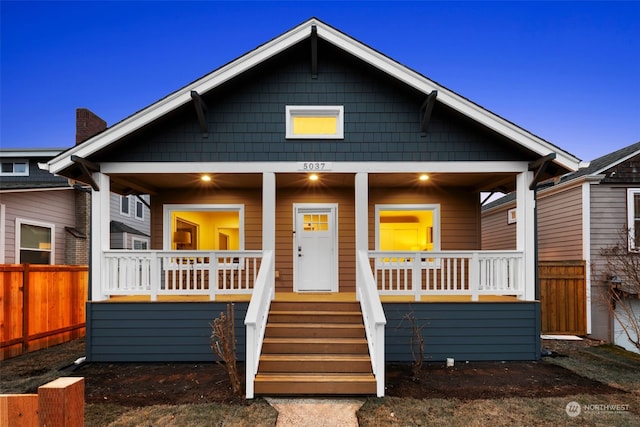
<point>256,319</point>
<point>374,319</point>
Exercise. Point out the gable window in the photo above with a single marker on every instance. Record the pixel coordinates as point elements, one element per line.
<point>124,205</point>
<point>35,242</point>
<point>314,122</point>
<point>633,218</point>
<point>408,228</point>
<point>15,168</point>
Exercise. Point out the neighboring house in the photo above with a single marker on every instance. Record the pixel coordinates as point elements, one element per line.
<point>313,168</point>
<point>579,214</point>
<point>43,219</point>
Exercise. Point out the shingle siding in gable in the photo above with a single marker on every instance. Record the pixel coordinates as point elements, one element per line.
<point>246,119</point>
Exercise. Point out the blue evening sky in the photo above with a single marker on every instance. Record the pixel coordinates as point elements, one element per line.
<point>568,72</point>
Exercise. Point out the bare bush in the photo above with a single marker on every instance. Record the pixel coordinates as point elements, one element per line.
<point>623,277</point>
<point>223,344</point>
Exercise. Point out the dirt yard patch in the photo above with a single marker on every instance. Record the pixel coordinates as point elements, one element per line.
<point>148,384</point>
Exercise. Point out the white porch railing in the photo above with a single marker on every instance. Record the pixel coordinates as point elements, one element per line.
<point>374,319</point>
<point>256,319</point>
<point>154,273</point>
<point>471,273</point>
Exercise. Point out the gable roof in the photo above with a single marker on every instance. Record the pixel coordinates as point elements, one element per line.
<point>593,168</point>
<point>282,43</point>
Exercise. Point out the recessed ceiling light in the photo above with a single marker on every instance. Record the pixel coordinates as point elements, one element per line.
<point>313,177</point>
<point>205,178</point>
<point>424,177</point>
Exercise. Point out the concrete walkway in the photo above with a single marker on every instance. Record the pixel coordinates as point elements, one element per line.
<point>316,412</point>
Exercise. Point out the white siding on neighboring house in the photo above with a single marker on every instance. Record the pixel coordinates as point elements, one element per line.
<point>132,220</point>
<point>55,207</point>
<point>560,225</point>
<point>608,219</point>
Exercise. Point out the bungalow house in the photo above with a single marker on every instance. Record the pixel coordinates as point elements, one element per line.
<point>579,215</point>
<point>333,195</point>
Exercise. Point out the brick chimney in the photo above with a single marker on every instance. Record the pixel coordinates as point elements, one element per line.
<point>87,125</point>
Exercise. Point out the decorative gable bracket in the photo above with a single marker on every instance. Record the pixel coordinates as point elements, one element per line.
<point>201,109</point>
<point>426,109</point>
<point>86,168</point>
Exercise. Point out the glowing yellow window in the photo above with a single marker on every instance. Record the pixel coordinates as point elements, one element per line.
<point>319,122</point>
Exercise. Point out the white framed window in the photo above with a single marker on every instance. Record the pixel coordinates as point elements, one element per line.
<point>204,227</point>
<point>139,243</point>
<point>314,121</point>
<point>15,168</point>
<point>125,206</point>
<point>407,227</point>
<point>139,209</point>
<point>34,242</point>
<point>633,218</point>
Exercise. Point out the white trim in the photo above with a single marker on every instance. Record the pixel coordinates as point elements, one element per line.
<point>434,207</point>
<point>128,212</point>
<point>14,162</point>
<point>3,230</point>
<point>294,167</point>
<point>631,192</point>
<point>135,239</point>
<point>32,190</point>
<point>616,163</point>
<point>336,111</point>
<point>283,42</point>
<point>18,238</point>
<point>213,207</point>
<point>586,246</point>
<point>100,233</point>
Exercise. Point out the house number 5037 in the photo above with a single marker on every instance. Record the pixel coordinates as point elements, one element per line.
<point>314,166</point>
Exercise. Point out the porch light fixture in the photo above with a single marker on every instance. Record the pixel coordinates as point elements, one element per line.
<point>423,177</point>
<point>313,177</point>
<point>205,178</point>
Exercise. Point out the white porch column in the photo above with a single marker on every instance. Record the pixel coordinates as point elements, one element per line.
<point>269,214</point>
<point>100,233</point>
<point>362,217</point>
<point>525,231</point>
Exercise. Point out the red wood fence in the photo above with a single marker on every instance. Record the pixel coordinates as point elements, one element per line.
<point>40,306</point>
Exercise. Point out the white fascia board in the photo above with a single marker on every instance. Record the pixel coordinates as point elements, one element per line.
<point>447,97</point>
<point>578,182</point>
<point>34,190</point>
<point>294,167</point>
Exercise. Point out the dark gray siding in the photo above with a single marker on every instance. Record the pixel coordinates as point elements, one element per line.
<point>465,331</point>
<point>156,332</point>
<point>246,119</point>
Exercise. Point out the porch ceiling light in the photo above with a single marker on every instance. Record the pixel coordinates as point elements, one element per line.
<point>423,177</point>
<point>205,178</point>
<point>313,177</point>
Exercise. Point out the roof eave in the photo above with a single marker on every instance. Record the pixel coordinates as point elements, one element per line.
<point>345,42</point>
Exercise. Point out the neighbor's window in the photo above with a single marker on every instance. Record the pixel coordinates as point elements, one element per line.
<point>140,244</point>
<point>15,168</point>
<point>408,228</point>
<point>315,121</point>
<point>124,205</point>
<point>35,242</point>
<point>139,209</point>
<point>633,218</point>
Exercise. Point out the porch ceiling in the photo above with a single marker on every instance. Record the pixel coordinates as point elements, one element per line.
<point>156,183</point>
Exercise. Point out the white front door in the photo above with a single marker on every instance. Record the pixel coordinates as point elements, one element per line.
<point>315,248</point>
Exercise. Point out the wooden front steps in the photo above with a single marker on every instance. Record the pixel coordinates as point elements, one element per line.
<point>315,347</point>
